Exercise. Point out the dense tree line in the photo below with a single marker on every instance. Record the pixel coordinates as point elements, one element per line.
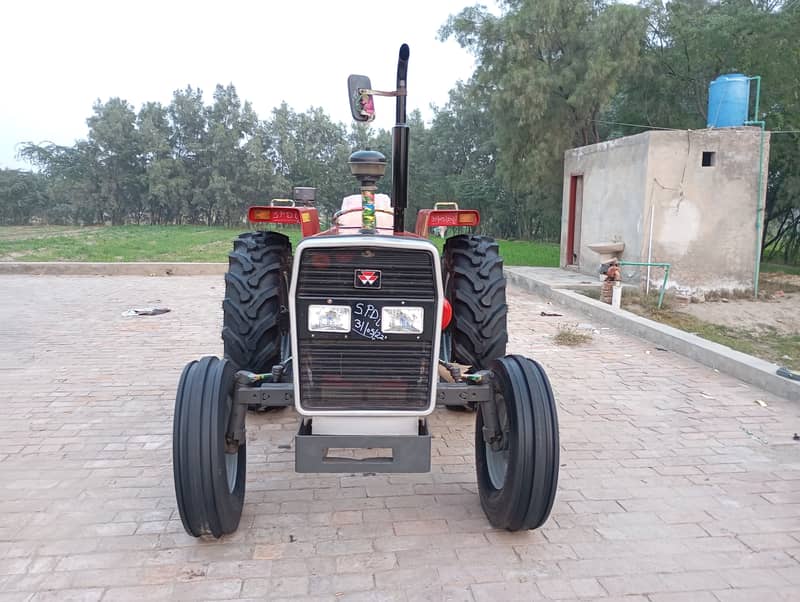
<point>186,162</point>
<point>550,75</point>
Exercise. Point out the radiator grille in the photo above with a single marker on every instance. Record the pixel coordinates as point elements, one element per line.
<point>329,272</point>
<point>365,375</point>
<point>338,372</point>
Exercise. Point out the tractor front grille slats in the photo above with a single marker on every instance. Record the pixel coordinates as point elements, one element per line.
<point>338,372</point>
<point>361,375</point>
<point>405,273</point>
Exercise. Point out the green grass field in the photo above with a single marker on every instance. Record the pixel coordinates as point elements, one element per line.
<point>178,243</point>
<point>781,267</point>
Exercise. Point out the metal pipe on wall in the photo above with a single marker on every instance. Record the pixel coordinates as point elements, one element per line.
<point>759,208</point>
<point>650,244</point>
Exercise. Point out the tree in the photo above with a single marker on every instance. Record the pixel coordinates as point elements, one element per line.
<point>23,196</point>
<point>549,67</point>
<point>308,149</point>
<point>161,169</point>
<point>189,123</point>
<point>688,44</point>
<point>465,147</point>
<point>71,183</point>
<point>115,144</point>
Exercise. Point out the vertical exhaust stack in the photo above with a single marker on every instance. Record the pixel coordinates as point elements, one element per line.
<point>400,145</point>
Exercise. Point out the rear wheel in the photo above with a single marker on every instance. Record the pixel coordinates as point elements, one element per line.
<point>256,298</point>
<point>518,474</point>
<point>254,322</point>
<point>209,471</point>
<point>476,288</point>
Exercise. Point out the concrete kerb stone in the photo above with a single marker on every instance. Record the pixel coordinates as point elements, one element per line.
<point>80,268</point>
<point>745,367</point>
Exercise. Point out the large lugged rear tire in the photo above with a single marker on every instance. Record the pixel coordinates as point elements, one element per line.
<point>517,482</point>
<point>476,288</point>
<point>256,296</point>
<point>209,481</point>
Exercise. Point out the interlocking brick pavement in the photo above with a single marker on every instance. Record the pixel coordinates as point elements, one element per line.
<point>675,484</point>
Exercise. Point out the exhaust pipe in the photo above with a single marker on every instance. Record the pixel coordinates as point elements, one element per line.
<point>400,145</point>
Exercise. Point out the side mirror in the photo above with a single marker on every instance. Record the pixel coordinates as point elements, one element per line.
<point>362,105</point>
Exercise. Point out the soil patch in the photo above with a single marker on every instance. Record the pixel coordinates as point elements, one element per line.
<point>768,328</point>
<point>777,315</point>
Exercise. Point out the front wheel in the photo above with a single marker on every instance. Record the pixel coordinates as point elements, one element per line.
<point>518,470</point>
<point>209,471</point>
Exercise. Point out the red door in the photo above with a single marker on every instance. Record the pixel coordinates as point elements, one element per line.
<point>574,219</point>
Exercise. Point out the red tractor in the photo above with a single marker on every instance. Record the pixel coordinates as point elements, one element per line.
<point>364,329</point>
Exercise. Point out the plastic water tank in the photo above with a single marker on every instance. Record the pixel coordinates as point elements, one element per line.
<point>728,99</point>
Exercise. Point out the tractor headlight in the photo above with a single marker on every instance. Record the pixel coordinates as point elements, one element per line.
<point>329,318</point>
<point>402,320</point>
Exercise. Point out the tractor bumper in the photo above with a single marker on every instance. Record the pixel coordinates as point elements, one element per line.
<point>351,453</point>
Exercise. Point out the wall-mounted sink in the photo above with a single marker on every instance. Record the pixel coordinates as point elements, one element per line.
<point>607,250</point>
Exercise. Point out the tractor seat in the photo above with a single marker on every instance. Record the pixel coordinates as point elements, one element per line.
<point>353,220</point>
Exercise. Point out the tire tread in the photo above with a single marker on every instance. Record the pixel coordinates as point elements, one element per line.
<point>477,292</point>
<point>526,498</point>
<point>251,330</point>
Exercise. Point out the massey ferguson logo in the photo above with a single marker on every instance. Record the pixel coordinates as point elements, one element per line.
<point>367,279</point>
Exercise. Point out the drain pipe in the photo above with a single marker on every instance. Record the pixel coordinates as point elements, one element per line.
<point>650,245</point>
<point>654,264</point>
<point>759,209</point>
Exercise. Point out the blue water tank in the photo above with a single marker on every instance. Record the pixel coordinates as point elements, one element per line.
<point>728,100</point>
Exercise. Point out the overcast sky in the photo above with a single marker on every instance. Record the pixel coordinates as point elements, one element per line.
<point>58,57</point>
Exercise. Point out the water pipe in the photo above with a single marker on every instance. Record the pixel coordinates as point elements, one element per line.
<point>759,209</point>
<point>650,243</point>
<point>654,264</point>
<point>758,94</point>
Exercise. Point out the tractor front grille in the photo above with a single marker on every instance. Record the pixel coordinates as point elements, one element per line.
<point>365,369</point>
<point>360,375</point>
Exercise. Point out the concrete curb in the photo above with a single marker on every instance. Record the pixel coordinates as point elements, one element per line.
<point>740,365</point>
<point>79,268</point>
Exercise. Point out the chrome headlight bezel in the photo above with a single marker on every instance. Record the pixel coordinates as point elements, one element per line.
<point>338,318</point>
<point>402,319</point>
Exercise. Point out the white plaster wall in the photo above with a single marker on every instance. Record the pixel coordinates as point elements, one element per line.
<point>704,218</point>
<point>614,178</point>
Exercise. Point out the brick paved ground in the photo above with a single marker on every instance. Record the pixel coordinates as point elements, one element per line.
<point>675,483</point>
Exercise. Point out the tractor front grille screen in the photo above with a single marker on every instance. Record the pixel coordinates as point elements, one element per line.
<point>358,375</point>
<point>365,368</point>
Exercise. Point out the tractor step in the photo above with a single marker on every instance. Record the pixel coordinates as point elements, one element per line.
<point>340,453</point>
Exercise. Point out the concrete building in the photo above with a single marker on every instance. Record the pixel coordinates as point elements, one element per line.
<point>688,198</point>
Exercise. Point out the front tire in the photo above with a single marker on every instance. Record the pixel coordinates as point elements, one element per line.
<point>209,481</point>
<point>517,481</point>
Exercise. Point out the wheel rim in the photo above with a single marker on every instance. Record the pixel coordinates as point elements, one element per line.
<point>497,460</point>
<point>231,459</point>
<point>231,468</point>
